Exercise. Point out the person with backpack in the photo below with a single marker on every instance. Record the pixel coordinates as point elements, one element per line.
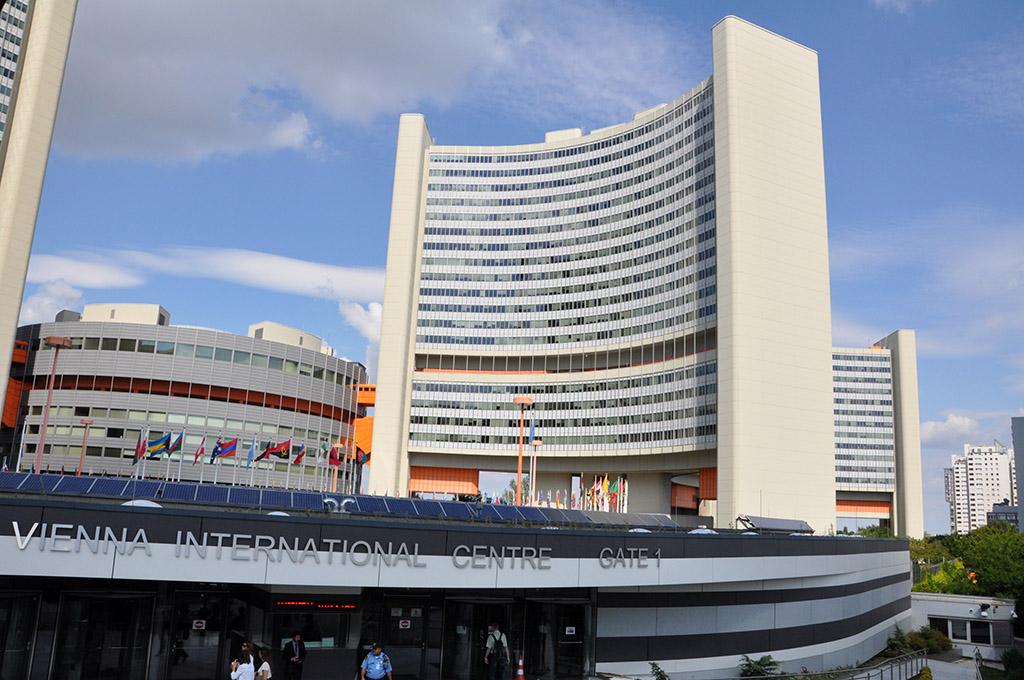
<point>497,656</point>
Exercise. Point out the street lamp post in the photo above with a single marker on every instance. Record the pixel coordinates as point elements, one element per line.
<point>85,437</point>
<point>533,471</point>
<point>56,342</point>
<point>522,401</point>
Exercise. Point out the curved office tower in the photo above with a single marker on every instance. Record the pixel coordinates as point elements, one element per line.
<point>659,288</point>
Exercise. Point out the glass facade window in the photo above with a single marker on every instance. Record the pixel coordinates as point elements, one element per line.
<point>185,350</point>
<point>204,352</point>
<point>222,354</point>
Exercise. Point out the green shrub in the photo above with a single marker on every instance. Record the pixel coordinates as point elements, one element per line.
<point>657,673</point>
<point>926,674</point>
<point>898,644</point>
<point>759,668</point>
<point>929,640</point>
<point>1013,662</point>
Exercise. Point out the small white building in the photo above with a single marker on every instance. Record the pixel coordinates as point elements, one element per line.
<point>975,624</point>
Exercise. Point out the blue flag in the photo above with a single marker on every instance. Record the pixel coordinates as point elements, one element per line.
<point>531,430</point>
<point>252,454</point>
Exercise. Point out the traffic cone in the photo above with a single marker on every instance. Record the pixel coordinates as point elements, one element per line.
<point>519,668</point>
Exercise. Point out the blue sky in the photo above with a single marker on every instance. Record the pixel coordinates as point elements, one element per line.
<point>233,162</point>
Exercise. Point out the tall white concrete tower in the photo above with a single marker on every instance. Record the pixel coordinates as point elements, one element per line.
<point>34,79</point>
<point>659,288</point>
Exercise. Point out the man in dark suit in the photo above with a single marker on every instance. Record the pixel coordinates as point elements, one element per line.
<point>294,653</point>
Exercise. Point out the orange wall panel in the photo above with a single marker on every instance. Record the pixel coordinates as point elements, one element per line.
<point>708,484</point>
<point>684,496</point>
<point>424,479</point>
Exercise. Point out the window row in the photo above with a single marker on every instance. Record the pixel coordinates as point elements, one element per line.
<point>884,358</point>
<point>553,423</point>
<point>607,204</point>
<point>631,278</point>
<point>559,322</point>
<point>693,153</point>
<point>611,403</point>
<point>501,244</point>
<point>650,436</point>
<point>665,378</point>
<point>582,164</point>
<point>605,334</point>
<point>645,354</point>
<point>564,305</point>
<point>665,218</point>
<point>222,354</point>
<point>704,95</point>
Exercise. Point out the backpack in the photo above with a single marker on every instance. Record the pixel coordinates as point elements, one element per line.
<point>499,647</point>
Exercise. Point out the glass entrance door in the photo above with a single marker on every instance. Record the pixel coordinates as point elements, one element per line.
<point>17,623</point>
<point>556,640</point>
<point>197,629</point>
<point>103,637</point>
<point>465,636</point>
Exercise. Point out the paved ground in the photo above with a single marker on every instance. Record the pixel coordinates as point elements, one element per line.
<point>958,670</point>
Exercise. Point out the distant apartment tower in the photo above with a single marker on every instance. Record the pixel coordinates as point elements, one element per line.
<point>35,41</point>
<point>1017,433</point>
<point>877,436</point>
<point>659,288</point>
<point>984,476</point>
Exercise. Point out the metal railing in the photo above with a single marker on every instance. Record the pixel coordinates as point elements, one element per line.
<point>903,667</point>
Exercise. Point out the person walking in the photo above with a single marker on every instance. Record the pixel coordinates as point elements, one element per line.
<point>294,653</point>
<point>497,656</point>
<point>376,665</point>
<point>264,670</point>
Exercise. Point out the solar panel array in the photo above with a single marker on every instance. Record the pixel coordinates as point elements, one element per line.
<point>305,501</point>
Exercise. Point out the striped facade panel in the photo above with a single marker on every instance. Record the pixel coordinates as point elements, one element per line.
<point>132,379</point>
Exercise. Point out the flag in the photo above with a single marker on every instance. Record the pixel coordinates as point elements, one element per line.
<point>252,454</point>
<point>176,444</point>
<point>334,460</point>
<point>301,454</point>
<point>282,450</point>
<point>531,431</point>
<point>140,449</point>
<point>200,451</point>
<point>224,449</point>
<point>157,447</point>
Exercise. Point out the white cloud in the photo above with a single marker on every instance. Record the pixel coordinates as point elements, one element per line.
<point>50,298</point>
<point>81,269</point>
<point>986,81</point>
<point>367,321</point>
<point>351,287</point>
<point>265,271</point>
<point>950,433</point>
<point>143,83</point>
<point>848,332</point>
<point>900,6</point>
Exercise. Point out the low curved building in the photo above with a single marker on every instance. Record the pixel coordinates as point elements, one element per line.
<point>130,372</point>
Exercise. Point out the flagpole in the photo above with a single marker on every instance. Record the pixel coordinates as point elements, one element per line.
<point>252,468</point>
<point>21,445</point>
<point>288,471</point>
<point>234,468</point>
<point>303,467</point>
<point>202,460</point>
<point>145,453</point>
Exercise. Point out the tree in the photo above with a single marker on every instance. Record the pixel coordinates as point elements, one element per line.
<point>657,673</point>
<point>875,531</point>
<point>759,668</point>
<point>996,554</point>
<point>929,550</point>
<point>508,496</point>
<point>952,577</point>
